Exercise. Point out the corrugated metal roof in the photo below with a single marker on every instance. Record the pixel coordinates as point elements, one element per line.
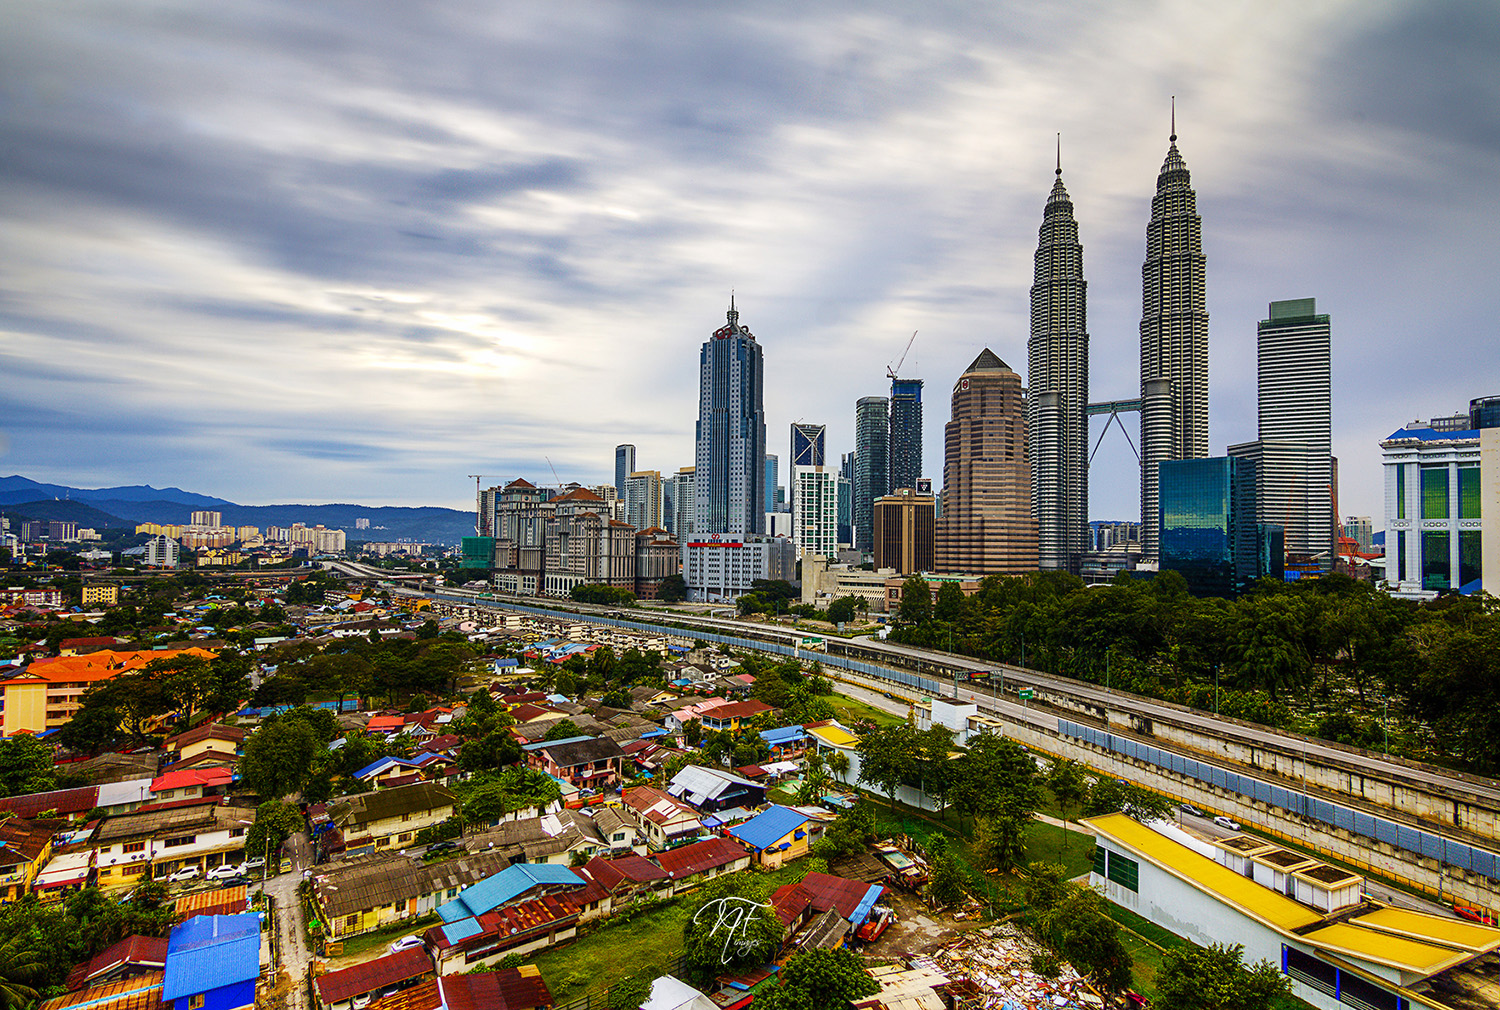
<point>769,826</point>
<point>337,986</point>
<point>139,992</point>
<point>211,951</point>
<point>506,886</point>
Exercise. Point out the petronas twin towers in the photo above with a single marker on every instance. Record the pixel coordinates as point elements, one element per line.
<point>1174,363</point>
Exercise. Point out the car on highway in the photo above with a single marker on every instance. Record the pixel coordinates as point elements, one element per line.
<point>1225,822</point>
<point>189,872</point>
<point>405,943</point>
<point>448,845</point>
<point>1188,808</point>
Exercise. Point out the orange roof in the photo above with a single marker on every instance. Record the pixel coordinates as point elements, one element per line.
<point>99,665</point>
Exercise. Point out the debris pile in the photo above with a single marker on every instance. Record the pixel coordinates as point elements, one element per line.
<point>990,969</point>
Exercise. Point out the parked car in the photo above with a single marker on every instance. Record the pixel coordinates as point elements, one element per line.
<point>405,943</point>
<point>251,866</point>
<point>189,872</point>
<point>1225,822</point>
<point>224,872</point>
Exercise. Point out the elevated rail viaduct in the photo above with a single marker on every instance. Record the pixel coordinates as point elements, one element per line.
<point>1432,829</point>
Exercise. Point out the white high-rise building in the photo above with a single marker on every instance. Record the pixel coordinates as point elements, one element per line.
<point>1293,453</point>
<point>643,499</point>
<point>684,502</point>
<point>815,493</point>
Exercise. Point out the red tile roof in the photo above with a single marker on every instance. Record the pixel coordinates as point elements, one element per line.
<point>709,854</point>
<point>346,983</point>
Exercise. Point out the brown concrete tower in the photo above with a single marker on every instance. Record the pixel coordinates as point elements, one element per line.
<point>986,527</point>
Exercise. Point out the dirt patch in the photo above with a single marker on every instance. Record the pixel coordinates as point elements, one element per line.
<point>916,929</point>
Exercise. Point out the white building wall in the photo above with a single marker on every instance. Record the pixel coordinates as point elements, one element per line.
<point>1489,508</point>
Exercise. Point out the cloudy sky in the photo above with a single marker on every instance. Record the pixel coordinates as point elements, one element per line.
<point>330,251</point>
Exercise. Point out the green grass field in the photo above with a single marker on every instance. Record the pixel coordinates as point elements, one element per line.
<point>849,710</point>
<point>612,952</point>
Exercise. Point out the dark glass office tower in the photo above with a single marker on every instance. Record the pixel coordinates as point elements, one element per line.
<point>906,432</point>
<point>730,473</point>
<point>872,460</point>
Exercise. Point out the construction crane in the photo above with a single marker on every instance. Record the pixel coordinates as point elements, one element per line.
<point>892,371</point>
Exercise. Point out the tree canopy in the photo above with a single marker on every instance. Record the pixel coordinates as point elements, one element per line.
<point>1216,978</point>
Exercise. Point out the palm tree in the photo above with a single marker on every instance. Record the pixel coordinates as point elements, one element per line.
<point>17,965</point>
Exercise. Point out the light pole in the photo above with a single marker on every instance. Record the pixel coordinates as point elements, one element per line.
<point>1216,689</point>
<point>1385,725</point>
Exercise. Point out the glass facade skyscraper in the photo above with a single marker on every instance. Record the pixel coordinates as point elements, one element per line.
<point>906,432</point>
<point>624,467</point>
<point>1057,425</point>
<point>1207,528</point>
<point>1174,335</point>
<point>872,462</point>
<point>730,463</point>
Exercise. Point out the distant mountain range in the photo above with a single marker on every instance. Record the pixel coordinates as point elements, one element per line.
<point>116,507</point>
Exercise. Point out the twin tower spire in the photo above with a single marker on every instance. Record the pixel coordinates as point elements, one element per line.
<point>1173,363</point>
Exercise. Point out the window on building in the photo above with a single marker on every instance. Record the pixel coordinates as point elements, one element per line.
<point>1468,492</point>
<point>1435,492</point>
<point>1470,556</point>
<point>1400,490</point>
<point>1345,986</point>
<point>180,840</point>
<point>1125,871</point>
<point>1436,569</point>
<point>133,869</point>
<point>1100,861</point>
<point>133,847</point>
<point>195,1002</point>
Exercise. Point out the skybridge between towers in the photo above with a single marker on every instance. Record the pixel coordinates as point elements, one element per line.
<point>1114,408</point>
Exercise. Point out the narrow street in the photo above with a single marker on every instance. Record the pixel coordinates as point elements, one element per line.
<point>296,951</point>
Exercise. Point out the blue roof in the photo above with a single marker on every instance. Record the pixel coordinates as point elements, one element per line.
<point>461,930</point>
<point>1432,435</point>
<point>769,826</point>
<point>211,951</point>
<point>382,764</point>
<point>782,734</point>
<point>504,887</point>
<point>862,910</point>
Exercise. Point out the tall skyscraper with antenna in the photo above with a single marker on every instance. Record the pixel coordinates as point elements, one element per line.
<point>730,476</point>
<point>1174,335</point>
<point>1058,386</point>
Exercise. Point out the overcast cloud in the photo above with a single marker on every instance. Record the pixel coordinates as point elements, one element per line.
<point>349,251</point>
